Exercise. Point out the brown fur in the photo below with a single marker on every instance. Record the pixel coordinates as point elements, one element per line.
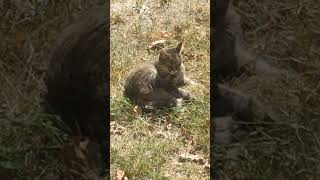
<point>157,83</point>
<point>77,76</point>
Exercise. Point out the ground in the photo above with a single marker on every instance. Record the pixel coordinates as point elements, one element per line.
<point>30,144</point>
<point>149,146</point>
<point>157,145</point>
<point>287,146</point>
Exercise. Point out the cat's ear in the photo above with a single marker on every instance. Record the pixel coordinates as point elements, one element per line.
<point>163,54</point>
<point>179,47</point>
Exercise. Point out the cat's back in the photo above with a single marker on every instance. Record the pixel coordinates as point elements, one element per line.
<point>143,76</point>
<point>76,73</point>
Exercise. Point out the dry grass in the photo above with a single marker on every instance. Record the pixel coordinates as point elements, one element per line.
<point>149,145</point>
<point>287,32</point>
<point>29,142</point>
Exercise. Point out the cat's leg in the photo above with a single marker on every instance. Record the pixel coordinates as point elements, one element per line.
<point>232,102</point>
<point>188,81</point>
<point>160,98</point>
<point>181,93</point>
<point>233,55</point>
<point>227,133</point>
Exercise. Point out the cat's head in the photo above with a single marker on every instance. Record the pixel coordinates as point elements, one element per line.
<point>170,62</point>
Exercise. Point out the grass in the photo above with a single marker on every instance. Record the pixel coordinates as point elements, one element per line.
<point>34,151</point>
<point>287,147</point>
<point>30,144</point>
<point>149,145</point>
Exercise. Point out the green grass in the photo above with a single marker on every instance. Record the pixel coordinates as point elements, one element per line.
<point>30,144</point>
<point>31,150</point>
<point>287,147</point>
<point>147,146</point>
<point>150,144</point>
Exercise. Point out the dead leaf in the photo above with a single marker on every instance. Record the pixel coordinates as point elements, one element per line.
<point>156,45</point>
<point>163,34</point>
<point>81,157</point>
<point>136,110</point>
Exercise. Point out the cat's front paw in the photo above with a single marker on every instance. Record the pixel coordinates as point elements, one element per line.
<point>188,81</point>
<point>186,95</point>
<point>179,102</point>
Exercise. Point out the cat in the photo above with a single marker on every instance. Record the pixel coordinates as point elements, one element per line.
<point>157,83</point>
<point>77,79</point>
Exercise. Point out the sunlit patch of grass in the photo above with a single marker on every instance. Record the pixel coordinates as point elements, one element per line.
<point>152,141</point>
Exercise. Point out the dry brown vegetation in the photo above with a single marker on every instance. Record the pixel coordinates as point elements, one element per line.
<point>167,144</point>
<point>144,146</point>
<point>287,147</point>
<point>30,145</point>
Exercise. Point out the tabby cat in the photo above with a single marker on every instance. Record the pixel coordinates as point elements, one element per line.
<point>156,83</point>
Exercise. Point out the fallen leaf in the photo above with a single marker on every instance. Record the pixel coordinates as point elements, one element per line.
<point>136,110</point>
<point>163,34</point>
<point>156,45</point>
<point>81,157</point>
